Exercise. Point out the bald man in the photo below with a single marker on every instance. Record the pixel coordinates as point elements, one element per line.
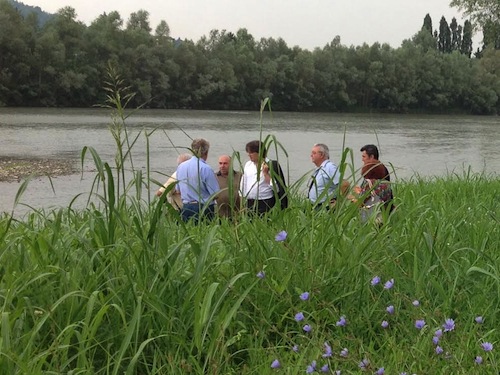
<point>228,200</point>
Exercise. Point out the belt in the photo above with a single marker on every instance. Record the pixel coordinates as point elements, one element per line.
<point>195,202</point>
<point>262,199</point>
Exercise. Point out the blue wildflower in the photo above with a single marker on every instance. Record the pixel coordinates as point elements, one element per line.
<point>479,319</point>
<point>390,309</point>
<point>419,324</point>
<point>364,364</point>
<point>439,350</point>
<point>487,346</point>
<point>311,368</point>
<point>385,324</point>
<point>389,284</point>
<point>449,325</point>
<point>380,371</point>
<point>304,296</point>
<point>275,364</point>
<point>307,328</point>
<point>342,322</point>
<point>261,274</point>
<point>344,353</point>
<point>478,359</point>
<point>325,368</point>
<point>281,236</point>
<point>375,280</point>
<point>328,350</point>
<point>299,317</point>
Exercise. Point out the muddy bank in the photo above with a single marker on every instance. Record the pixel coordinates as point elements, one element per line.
<point>17,169</point>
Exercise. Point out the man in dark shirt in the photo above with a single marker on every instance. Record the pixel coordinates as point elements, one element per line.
<point>372,167</point>
<point>228,200</point>
<point>376,176</point>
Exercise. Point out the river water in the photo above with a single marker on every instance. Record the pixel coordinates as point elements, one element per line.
<point>413,145</point>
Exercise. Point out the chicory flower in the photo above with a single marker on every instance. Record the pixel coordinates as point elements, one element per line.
<point>419,324</point>
<point>281,236</point>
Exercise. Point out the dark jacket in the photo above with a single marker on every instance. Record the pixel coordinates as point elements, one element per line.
<point>279,183</point>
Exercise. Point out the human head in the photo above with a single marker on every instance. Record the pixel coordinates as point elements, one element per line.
<point>200,147</point>
<point>369,154</point>
<point>183,157</point>
<point>319,153</point>
<point>254,148</point>
<point>224,164</point>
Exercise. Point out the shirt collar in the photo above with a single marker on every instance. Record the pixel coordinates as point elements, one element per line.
<point>325,162</point>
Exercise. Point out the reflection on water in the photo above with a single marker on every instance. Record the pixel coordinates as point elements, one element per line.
<point>423,145</point>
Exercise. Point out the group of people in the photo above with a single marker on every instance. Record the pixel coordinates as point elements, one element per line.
<point>199,192</point>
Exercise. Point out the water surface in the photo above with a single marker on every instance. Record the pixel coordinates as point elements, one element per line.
<point>421,145</point>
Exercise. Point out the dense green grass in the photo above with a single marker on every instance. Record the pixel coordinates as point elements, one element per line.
<point>125,287</point>
<point>130,289</point>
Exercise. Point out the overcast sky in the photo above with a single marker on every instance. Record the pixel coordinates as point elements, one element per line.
<point>306,23</point>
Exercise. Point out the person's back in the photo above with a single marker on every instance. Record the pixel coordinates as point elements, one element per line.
<point>197,183</point>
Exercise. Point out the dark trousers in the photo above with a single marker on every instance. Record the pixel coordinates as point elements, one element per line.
<point>260,206</point>
<point>322,206</point>
<point>195,211</point>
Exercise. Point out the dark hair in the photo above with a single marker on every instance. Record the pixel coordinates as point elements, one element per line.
<point>256,146</point>
<point>371,150</point>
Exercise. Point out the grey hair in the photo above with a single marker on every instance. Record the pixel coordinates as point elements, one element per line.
<point>200,147</point>
<point>323,149</point>
<point>183,157</point>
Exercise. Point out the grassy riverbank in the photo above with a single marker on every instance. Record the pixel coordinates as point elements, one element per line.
<point>129,289</point>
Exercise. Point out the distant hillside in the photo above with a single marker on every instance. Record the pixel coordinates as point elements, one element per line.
<point>25,10</point>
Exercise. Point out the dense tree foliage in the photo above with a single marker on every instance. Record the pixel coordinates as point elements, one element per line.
<point>486,13</point>
<point>64,63</point>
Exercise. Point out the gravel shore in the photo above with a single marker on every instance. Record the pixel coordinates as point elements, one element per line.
<point>16,169</point>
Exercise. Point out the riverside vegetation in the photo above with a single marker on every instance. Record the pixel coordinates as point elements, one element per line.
<point>125,287</point>
<point>63,64</point>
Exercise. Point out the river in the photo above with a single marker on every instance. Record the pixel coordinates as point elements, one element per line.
<point>412,145</point>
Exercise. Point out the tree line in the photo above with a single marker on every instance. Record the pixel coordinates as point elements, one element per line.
<point>64,63</point>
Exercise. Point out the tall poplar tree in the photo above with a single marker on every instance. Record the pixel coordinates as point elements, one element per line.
<point>466,46</point>
<point>427,23</point>
<point>444,38</point>
<point>456,35</point>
